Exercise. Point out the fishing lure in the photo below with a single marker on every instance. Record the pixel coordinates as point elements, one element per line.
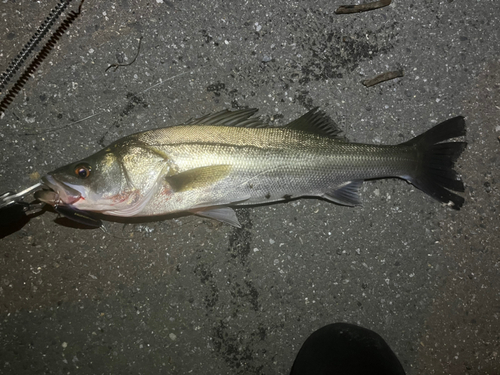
<point>13,208</point>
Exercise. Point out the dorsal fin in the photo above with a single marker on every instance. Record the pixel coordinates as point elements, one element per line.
<point>239,118</point>
<point>316,122</point>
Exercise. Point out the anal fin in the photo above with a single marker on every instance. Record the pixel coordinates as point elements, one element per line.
<point>346,194</point>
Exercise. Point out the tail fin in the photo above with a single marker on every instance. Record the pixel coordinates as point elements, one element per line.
<point>434,173</point>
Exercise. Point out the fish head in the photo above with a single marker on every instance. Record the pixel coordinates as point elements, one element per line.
<point>97,183</point>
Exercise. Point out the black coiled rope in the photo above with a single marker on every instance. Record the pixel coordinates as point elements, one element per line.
<point>16,64</point>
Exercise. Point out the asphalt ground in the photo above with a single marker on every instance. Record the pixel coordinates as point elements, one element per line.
<point>190,295</point>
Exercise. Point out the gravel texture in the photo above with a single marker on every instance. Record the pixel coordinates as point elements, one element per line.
<point>189,295</point>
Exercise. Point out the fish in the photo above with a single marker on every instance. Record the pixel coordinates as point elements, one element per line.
<point>210,165</point>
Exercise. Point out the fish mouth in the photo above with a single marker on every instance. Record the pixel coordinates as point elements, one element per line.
<point>58,192</point>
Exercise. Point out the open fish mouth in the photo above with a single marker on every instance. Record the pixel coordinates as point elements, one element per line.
<point>62,196</point>
<point>57,192</point>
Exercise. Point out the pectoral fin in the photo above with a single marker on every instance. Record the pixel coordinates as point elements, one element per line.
<point>223,214</point>
<point>347,194</point>
<point>198,177</point>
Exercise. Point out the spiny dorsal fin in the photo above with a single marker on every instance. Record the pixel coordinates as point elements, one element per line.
<point>316,122</point>
<point>197,177</point>
<point>239,118</point>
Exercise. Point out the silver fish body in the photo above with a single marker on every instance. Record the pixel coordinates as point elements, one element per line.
<point>266,165</point>
<point>229,159</point>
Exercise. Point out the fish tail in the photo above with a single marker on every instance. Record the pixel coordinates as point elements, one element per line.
<point>434,173</point>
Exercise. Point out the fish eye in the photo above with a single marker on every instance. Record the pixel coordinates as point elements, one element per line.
<point>83,170</point>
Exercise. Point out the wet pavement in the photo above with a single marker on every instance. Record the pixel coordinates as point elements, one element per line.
<point>190,295</point>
